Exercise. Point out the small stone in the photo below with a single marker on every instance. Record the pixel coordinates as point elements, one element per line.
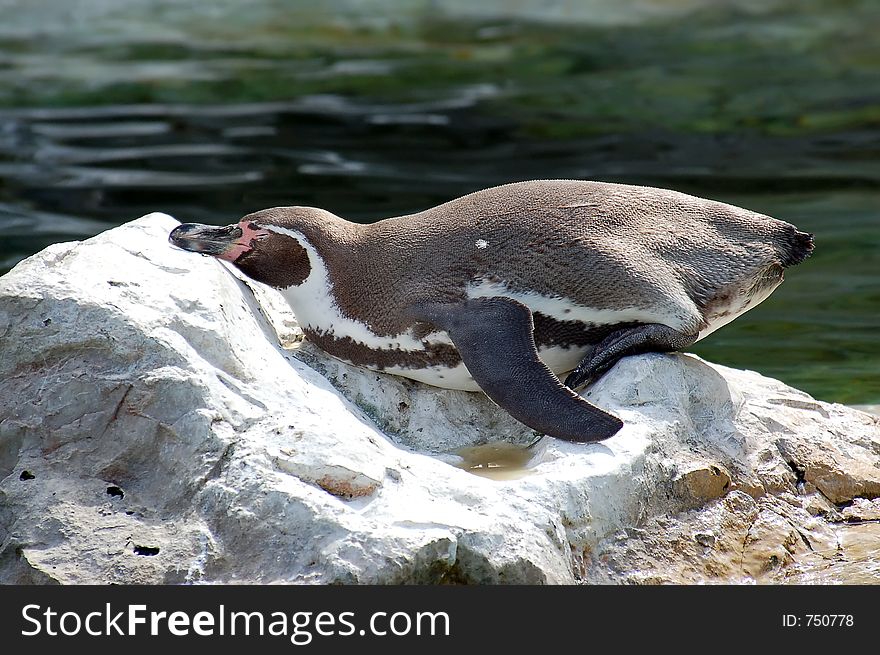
<point>701,482</point>
<point>706,539</point>
<point>862,509</point>
<point>817,505</point>
<point>838,473</point>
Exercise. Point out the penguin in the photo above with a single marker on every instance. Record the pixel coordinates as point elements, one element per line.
<point>505,289</point>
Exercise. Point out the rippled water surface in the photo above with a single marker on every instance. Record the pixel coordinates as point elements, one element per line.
<point>109,110</point>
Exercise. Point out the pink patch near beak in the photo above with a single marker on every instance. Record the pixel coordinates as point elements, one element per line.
<point>249,233</point>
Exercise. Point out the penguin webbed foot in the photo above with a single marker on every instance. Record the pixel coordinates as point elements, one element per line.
<point>651,337</point>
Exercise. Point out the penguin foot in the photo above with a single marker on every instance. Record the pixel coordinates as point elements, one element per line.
<point>653,337</point>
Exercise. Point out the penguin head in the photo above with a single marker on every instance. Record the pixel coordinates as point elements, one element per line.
<point>267,246</point>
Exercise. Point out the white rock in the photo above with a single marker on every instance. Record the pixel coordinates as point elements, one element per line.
<point>130,367</point>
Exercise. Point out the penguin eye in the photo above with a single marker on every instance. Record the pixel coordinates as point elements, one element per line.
<point>256,232</point>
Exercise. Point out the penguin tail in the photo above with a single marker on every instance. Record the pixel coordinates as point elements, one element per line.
<point>795,247</point>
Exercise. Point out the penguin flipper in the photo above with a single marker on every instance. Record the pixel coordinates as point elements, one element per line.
<point>650,337</point>
<point>496,341</point>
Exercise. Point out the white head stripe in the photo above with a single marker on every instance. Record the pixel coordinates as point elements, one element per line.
<point>315,306</point>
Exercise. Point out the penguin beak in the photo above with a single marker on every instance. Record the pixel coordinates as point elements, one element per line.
<point>206,239</point>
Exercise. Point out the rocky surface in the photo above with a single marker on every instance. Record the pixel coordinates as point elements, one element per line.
<point>161,422</point>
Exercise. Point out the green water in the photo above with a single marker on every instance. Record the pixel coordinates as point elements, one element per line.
<point>110,109</point>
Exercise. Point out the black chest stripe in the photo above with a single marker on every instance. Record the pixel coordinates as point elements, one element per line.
<point>548,333</point>
<point>346,348</point>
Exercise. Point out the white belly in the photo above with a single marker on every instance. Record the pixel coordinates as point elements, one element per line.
<point>559,360</point>
<point>741,303</point>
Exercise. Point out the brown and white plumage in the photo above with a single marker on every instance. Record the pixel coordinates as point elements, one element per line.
<point>603,270</point>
